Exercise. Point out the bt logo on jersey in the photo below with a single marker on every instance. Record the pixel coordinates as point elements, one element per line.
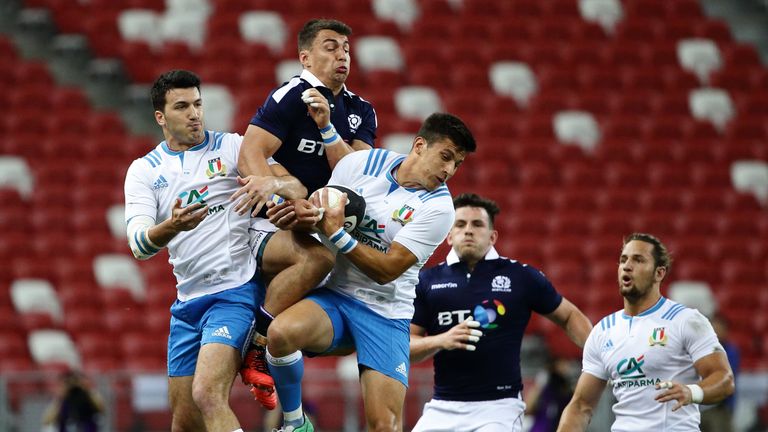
<point>446,318</point>
<point>311,146</point>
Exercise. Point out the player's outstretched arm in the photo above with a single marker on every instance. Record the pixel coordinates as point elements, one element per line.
<point>573,321</point>
<point>462,336</point>
<point>252,194</point>
<point>146,239</point>
<point>716,384</point>
<point>578,413</point>
<point>258,146</point>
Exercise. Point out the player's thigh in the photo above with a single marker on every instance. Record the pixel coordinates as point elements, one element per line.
<point>303,326</point>
<point>383,399</point>
<point>287,248</point>
<point>217,365</point>
<point>186,416</point>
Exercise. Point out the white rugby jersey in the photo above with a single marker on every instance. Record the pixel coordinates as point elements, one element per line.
<point>215,255</point>
<point>416,218</point>
<point>636,353</point>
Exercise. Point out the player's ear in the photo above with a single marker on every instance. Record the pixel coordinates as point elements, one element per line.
<point>160,118</point>
<point>304,58</point>
<point>418,144</point>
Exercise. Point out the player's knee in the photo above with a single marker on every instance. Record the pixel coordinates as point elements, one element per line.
<point>383,425</point>
<point>282,337</point>
<point>384,421</point>
<point>208,396</point>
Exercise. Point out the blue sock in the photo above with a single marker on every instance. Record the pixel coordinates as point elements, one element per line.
<point>287,372</point>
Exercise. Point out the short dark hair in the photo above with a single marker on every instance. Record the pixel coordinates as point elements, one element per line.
<point>475,200</point>
<point>170,80</point>
<point>443,125</point>
<point>661,256</point>
<point>312,27</point>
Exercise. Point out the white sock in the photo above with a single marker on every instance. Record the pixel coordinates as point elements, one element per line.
<point>295,417</point>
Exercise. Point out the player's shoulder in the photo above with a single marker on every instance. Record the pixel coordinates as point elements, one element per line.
<point>218,140</point>
<point>356,98</point>
<point>671,310</point>
<point>437,197</point>
<point>290,90</point>
<point>153,159</point>
<point>375,161</point>
<point>608,322</point>
<point>439,271</point>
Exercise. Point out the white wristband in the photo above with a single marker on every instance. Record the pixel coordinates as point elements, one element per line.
<point>343,241</point>
<point>697,393</point>
<point>330,137</point>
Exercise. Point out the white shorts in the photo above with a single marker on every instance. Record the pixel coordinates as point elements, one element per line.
<point>501,415</point>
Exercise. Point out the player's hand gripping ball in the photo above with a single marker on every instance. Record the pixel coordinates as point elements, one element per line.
<point>354,209</point>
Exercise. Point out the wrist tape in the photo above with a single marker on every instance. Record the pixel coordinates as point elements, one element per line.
<point>343,241</point>
<point>330,137</point>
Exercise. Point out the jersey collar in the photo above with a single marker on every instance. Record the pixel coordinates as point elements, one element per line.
<point>315,81</point>
<point>648,311</point>
<point>453,257</point>
<point>202,145</point>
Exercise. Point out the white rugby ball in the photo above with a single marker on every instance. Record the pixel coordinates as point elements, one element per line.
<point>354,207</point>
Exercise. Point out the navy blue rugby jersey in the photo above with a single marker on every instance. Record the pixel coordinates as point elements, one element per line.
<point>285,116</point>
<point>500,293</point>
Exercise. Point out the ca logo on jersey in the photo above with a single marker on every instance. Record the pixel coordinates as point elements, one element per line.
<point>631,368</point>
<point>194,196</point>
<point>216,168</point>
<point>658,337</point>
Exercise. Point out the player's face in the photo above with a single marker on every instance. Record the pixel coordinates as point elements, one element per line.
<point>471,235</point>
<point>182,116</point>
<point>328,58</point>
<point>637,272</point>
<point>437,162</point>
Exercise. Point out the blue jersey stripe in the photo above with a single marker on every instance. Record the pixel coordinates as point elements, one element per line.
<point>151,162</point>
<point>442,194</point>
<point>676,312</point>
<point>368,161</point>
<point>672,311</point>
<point>384,154</point>
<point>377,162</point>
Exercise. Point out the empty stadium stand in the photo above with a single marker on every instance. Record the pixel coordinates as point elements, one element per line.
<point>666,109</point>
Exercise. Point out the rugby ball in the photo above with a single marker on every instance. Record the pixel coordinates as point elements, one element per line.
<point>354,208</point>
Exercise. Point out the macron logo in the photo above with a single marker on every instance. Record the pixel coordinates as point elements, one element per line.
<point>160,183</point>
<point>402,370</point>
<point>222,332</point>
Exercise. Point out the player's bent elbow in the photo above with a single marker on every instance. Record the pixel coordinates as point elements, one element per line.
<point>730,385</point>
